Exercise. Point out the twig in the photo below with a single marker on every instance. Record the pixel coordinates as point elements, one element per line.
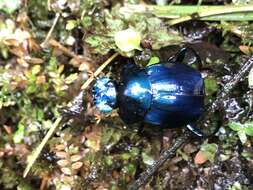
<point>167,154</point>
<point>67,52</point>
<point>51,131</point>
<point>49,5</point>
<point>98,71</point>
<point>44,44</point>
<point>37,151</point>
<point>44,181</point>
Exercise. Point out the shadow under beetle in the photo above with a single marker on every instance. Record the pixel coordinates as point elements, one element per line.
<point>169,94</point>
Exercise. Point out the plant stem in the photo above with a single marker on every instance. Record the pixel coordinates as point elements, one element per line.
<point>99,70</point>
<point>49,34</point>
<point>218,11</point>
<point>215,13</point>
<point>66,51</point>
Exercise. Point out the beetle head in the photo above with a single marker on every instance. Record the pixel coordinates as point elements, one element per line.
<point>104,94</point>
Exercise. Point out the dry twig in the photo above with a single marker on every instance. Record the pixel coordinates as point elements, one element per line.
<point>45,42</point>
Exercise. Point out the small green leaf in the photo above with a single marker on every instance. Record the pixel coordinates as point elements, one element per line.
<point>107,135</point>
<point>71,78</point>
<point>109,160</point>
<point>116,136</point>
<point>242,129</point>
<point>242,136</point>
<point>236,186</point>
<point>160,35</point>
<point>71,24</point>
<point>36,69</point>
<point>100,44</point>
<point>40,115</point>
<point>93,40</point>
<point>235,126</point>
<point>248,155</point>
<point>153,60</point>
<point>134,152</point>
<point>86,22</point>
<point>24,186</point>
<point>19,134</point>
<point>129,169</point>
<point>209,150</point>
<point>183,154</point>
<point>210,86</point>
<point>91,144</point>
<point>32,88</point>
<point>128,40</point>
<point>113,24</point>
<point>249,128</point>
<point>224,157</point>
<point>125,156</point>
<point>147,159</point>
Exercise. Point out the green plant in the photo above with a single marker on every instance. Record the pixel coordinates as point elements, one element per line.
<point>243,130</point>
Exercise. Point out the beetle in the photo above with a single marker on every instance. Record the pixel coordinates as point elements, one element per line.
<point>167,94</point>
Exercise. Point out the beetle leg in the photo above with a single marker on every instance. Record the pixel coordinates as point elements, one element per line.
<point>194,130</point>
<point>198,60</point>
<point>200,133</point>
<point>179,57</point>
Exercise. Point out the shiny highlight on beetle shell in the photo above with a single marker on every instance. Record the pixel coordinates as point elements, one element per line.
<point>104,95</point>
<point>177,94</point>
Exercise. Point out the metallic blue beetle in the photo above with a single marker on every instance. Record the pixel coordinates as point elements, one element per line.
<point>167,94</point>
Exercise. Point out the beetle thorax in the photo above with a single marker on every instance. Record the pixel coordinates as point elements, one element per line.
<point>105,95</point>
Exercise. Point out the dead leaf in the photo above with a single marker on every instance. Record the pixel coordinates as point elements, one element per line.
<point>76,165</point>
<point>60,147</point>
<point>19,52</point>
<point>75,158</point>
<point>61,154</point>
<point>63,163</point>
<point>246,49</point>
<point>66,171</point>
<point>11,42</point>
<point>40,79</point>
<point>22,62</point>
<point>33,45</point>
<point>200,158</point>
<point>84,67</point>
<point>75,62</point>
<point>33,60</point>
<point>67,179</point>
